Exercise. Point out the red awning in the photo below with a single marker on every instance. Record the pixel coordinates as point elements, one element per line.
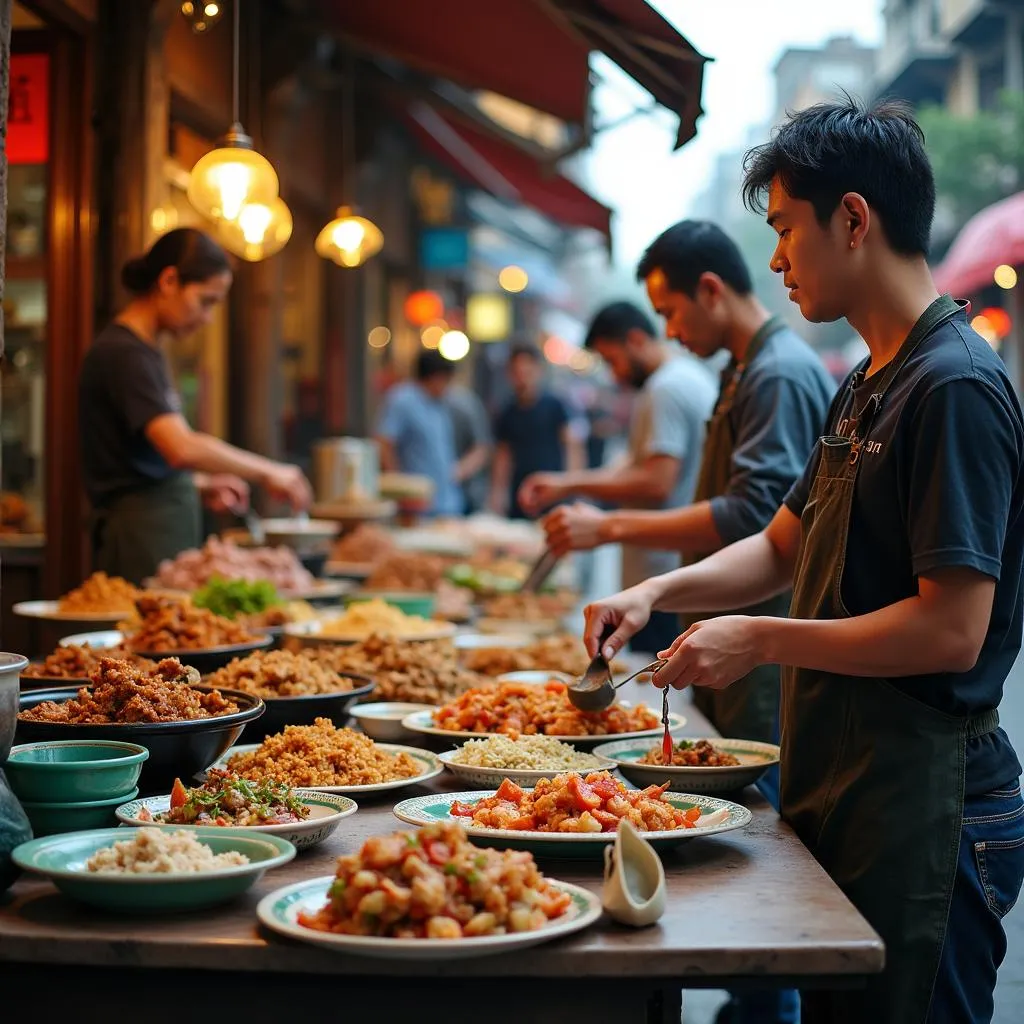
<point>514,47</point>
<point>990,238</point>
<point>505,171</point>
<point>533,51</point>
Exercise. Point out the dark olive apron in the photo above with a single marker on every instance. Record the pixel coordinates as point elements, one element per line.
<point>872,779</point>
<point>749,708</point>
<point>137,530</point>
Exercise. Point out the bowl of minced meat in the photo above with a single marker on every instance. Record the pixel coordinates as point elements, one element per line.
<point>524,760</point>
<point>148,870</point>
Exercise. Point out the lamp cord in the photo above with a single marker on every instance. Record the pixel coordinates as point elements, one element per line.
<point>236,13</point>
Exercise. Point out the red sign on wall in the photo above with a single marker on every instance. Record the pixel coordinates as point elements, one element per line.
<point>28,109</point>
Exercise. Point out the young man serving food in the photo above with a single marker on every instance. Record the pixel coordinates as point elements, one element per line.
<point>903,543</point>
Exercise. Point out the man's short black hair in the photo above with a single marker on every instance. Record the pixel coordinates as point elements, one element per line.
<point>691,248</point>
<point>614,322</point>
<point>430,363</point>
<point>524,348</point>
<point>821,153</point>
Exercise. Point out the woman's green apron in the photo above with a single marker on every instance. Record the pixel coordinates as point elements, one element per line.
<point>749,708</point>
<point>138,530</point>
<point>872,779</point>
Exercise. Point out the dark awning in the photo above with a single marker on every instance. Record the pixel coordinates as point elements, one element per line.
<point>504,170</point>
<point>647,48</point>
<point>514,47</point>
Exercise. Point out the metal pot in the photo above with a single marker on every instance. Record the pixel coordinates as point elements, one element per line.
<point>11,666</point>
<point>346,469</point>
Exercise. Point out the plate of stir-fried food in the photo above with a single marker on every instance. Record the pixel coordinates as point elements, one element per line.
<point>698,765</point>
<point>226,800</point>
<point>429,894</point>
<point>525,709</point>
<point>575,814</point>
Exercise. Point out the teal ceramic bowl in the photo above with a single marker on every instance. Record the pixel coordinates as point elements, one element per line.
<point>48,819</point>
<point>411,602</point>
<point>64,771</point>
<point>62,859</point>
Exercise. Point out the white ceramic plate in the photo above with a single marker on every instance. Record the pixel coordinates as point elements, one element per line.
<point>326,811</point>
<point>492,778</point>
<point>423,722</point>
<point>280,909</point>
<point>282,530</point>
<point>432,767</point>
<point>100,639</point>
<point>492,641</point>
<point>500,628</point>
<point>433,542</point>
<point>309,634</point>
<point>426,810</point>
<point>320,591</point>
<point>50,611</point>
<point>756,758</point>
<point>536,677</point>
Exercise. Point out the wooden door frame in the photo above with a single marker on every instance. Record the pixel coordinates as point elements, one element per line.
<point>70,316</point>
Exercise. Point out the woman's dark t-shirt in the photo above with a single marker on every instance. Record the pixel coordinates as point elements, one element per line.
<point>125,383</point>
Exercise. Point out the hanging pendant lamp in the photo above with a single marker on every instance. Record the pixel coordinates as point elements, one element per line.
<point>233,175</point>
<point>349,240</point>
<point>259,230</point>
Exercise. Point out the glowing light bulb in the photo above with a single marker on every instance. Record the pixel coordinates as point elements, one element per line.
<point>232,182</point>
<point>1005,276</point>
<point>254,219</point>
<point>348,235</point>
<point>211,10</point>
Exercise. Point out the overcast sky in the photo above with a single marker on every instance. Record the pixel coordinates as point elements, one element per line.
<point>632,166</point>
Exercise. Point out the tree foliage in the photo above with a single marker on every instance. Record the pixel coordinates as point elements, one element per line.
<point>977,160</point>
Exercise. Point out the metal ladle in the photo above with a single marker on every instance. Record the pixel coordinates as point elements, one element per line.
<point>595,691</point>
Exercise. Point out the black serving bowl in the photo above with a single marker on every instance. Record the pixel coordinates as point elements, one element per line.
<point>176,749</point>
<point>212,658</point>
<point>49,682</point>
<point>282,711</point>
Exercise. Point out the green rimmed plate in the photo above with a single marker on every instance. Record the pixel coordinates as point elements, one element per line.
<point>279,912</point>
<point>755,759</point>
<point>62,859</point>
<point>326,812</point>
<point>425,810</point>
<point>423,722</point>
<point>432,767</point>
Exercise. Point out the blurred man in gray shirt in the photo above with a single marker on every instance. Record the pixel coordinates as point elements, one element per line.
<point>666,436</point>
<point>771,409</point>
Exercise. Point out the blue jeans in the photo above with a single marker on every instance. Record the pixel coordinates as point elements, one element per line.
<point>989,873</point>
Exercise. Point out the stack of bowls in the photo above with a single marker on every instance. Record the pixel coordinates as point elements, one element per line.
<point>72,785</point>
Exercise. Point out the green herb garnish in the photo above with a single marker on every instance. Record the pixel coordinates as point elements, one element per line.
<point>231,598</point>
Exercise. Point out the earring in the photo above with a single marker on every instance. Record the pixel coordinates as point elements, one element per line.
<point>853,245</point>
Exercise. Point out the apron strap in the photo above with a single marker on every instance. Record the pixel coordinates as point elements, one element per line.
<point>982,723</point>
<point>942,309</point>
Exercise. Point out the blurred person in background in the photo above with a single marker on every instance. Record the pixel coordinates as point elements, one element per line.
<point>416,434</point>
<point>146,471</point>
<point>473,445</point>
<point>676,396</point>
<point>534,432</point>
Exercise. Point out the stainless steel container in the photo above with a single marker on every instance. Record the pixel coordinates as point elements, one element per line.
<point>346,469</point>
<point>11,666</point>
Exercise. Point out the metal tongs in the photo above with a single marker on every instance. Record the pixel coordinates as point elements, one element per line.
<point>538,575</point>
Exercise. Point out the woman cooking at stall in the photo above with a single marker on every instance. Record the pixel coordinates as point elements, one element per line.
<point>145,468</point>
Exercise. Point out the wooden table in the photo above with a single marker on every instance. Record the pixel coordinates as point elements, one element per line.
<point>749,908</point>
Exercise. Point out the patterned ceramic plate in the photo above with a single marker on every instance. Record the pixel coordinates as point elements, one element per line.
<point>279,911</point>
<point>755,759</point>
<point>326,811</point>
<point>424,810</point>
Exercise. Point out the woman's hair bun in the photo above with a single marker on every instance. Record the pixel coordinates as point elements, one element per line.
<point>137,277</point>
